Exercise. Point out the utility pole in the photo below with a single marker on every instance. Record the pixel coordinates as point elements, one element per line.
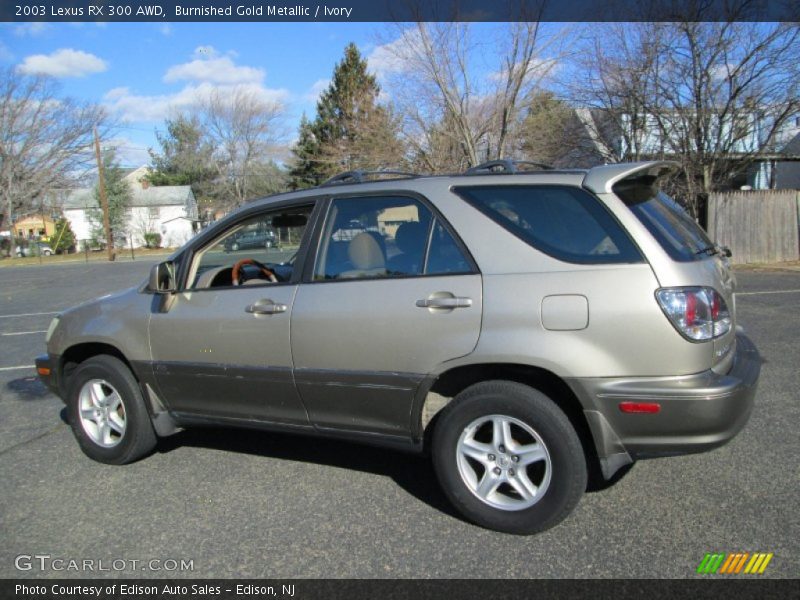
<point>101,185</point>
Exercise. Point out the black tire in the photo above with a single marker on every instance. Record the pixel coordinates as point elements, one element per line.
<point>137,438</point>
<point>534,420</point>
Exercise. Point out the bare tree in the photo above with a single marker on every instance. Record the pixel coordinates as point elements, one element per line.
<point>613,86</point>
<point>714,96</point>
<point>447,102</point>
<point>726,90</point>
<point>244,131</point>
<point>45,140</point>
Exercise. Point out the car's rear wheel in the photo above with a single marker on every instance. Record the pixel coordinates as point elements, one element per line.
<point>107,412</point>
<point>234,246</point>
<point>508,458</point>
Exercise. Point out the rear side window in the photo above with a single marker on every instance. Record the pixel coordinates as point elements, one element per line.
<point>680,236</point>
<point>567,223</point>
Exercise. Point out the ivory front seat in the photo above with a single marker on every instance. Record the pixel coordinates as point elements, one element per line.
<point>366,257</point>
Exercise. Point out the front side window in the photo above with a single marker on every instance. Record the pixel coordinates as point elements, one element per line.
<point>257,251</point>
<point>565,222</point>
<point>369,237</point>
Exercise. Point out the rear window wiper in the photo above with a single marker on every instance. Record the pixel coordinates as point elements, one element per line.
<point>710,250</point>
<point>714,249</point>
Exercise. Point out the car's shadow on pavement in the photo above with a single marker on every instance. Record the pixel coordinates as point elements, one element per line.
<point>413,473</point>
<point>28,388</point>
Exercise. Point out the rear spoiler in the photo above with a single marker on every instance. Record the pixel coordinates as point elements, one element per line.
<point>601,180</point>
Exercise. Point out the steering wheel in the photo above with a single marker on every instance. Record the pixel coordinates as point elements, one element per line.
<point>237,273</point>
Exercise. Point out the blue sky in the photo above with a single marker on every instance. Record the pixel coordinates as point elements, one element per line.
<point>140,70</point>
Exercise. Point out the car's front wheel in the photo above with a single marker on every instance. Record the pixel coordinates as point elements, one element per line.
<point>508,458</point>
<point>107,412</point>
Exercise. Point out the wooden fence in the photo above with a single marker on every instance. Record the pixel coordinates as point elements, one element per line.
<point>759,226</point>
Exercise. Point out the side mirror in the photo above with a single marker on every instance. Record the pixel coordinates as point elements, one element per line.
<point>162,278</point>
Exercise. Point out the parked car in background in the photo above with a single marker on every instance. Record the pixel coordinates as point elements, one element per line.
<point>34,249</point>
<point>252,238</point>
<point>526,328</point>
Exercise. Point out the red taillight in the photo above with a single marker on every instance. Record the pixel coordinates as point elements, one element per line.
<point>691,309</point>
<point>698,313</point>
<point>640,407</point>
<point>715,306</point>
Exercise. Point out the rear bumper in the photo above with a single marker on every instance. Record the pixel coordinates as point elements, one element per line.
<point>697,412</point>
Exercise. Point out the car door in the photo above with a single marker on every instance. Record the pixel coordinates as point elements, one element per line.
<point>222,347</point>
<point>383,308</point>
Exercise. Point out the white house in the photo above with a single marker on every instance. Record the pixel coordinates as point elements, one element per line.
<point>170,211</point>
<point>774,166</point>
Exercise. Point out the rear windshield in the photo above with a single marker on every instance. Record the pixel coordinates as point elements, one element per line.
<point>565,222</point>
<point>680,235</point>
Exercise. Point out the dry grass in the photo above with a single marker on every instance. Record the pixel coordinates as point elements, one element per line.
<point>101,256</point>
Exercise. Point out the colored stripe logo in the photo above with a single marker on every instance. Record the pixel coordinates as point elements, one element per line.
<point>734,563</point>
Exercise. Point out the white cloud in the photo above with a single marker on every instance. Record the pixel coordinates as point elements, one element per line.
<point>117,92</point>
<point>129,152</point>
<point>31,29</point>
<point>165,29</point>
<point>214,70</point>
<point>133,107</point>
<point>382,61</point>
<point>65,62</point>
<point>390,58</point>
<point>209,71</point>
<point>312,95</point>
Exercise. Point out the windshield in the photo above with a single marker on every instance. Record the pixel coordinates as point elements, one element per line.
<point>680,236</point>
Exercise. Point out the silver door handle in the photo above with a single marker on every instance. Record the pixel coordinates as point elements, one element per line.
<point>444,303</point>
<point>266,309</point>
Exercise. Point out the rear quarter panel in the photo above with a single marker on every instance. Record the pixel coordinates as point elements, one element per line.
<point>627,332</point>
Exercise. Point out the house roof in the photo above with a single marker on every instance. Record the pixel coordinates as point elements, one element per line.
<point>167,195</point>
<point>793,147</point>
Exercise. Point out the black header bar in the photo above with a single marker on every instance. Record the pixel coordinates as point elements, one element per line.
<point>398,10</point>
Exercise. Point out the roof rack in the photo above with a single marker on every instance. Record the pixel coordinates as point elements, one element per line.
<point>506,165</point>
<point>362,176</point>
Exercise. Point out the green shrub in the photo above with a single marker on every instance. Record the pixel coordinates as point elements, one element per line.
<point>63,240</point>
<point>152,240</point>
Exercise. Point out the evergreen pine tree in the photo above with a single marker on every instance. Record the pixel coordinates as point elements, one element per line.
<point>185,157</point>
<point>351,129</point>
<point>306,150</point>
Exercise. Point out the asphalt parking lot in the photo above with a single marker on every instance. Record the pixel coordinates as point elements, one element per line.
<point>249,504</point>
